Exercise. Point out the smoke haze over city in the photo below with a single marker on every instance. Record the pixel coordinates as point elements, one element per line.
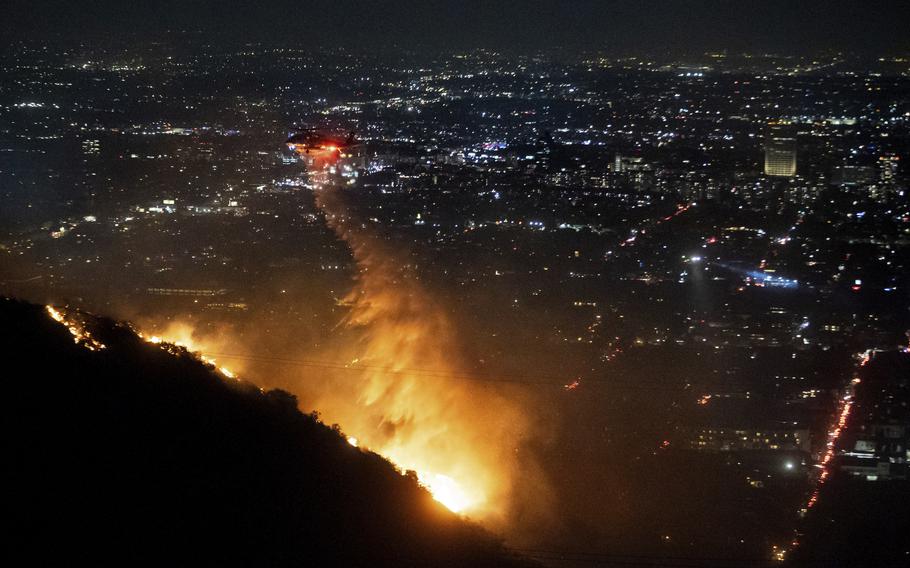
<point>604,283</point>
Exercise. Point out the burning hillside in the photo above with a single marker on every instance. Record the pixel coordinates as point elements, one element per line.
<point>140,453</point>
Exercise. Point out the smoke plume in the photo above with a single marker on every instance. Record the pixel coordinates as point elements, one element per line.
<point>410,399</point>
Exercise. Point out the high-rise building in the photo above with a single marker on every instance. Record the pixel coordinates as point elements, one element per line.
<point>889,164</point>
<point>780,150</point>
<point>623,164</point>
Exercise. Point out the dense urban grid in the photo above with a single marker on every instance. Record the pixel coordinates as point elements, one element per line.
<point>682,270</point>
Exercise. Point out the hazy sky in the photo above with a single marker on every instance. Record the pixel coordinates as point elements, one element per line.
<point>628,25</point>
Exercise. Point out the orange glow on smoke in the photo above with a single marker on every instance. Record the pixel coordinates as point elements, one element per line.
<point>458,437</point>
<point>399,395</point>
<point>457,485</point>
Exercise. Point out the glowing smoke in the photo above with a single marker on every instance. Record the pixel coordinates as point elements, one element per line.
<point>407,402</point>
<point>401,391</point>
<point>202,341</point>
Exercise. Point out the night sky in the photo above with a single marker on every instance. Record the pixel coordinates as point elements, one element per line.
<point>783,26</point>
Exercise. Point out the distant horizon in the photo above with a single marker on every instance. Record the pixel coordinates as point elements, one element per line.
<point>776,26</point>
<point>183,43</point>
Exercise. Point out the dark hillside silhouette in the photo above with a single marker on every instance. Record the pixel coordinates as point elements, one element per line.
<point>131,455</point>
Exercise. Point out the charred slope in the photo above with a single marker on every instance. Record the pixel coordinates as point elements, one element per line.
<point>132,455</point>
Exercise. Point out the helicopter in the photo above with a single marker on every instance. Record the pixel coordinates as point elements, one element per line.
<point>310,140</point>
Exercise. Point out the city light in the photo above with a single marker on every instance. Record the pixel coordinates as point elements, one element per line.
<point>579,277</point>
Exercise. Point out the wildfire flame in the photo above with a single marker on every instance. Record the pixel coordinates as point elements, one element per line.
<point>182,335</point>
<point>459,438</point>
<point>81,336</point>
<point>447,491</point>
<point>421,423</point>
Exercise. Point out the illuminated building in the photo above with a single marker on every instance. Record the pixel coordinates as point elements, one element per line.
<point>628,164</point>
<point>889,165</point>
<point>849,175</point>
<point>780,151</point>
<point>879,452</point>
<point>733,439</point>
